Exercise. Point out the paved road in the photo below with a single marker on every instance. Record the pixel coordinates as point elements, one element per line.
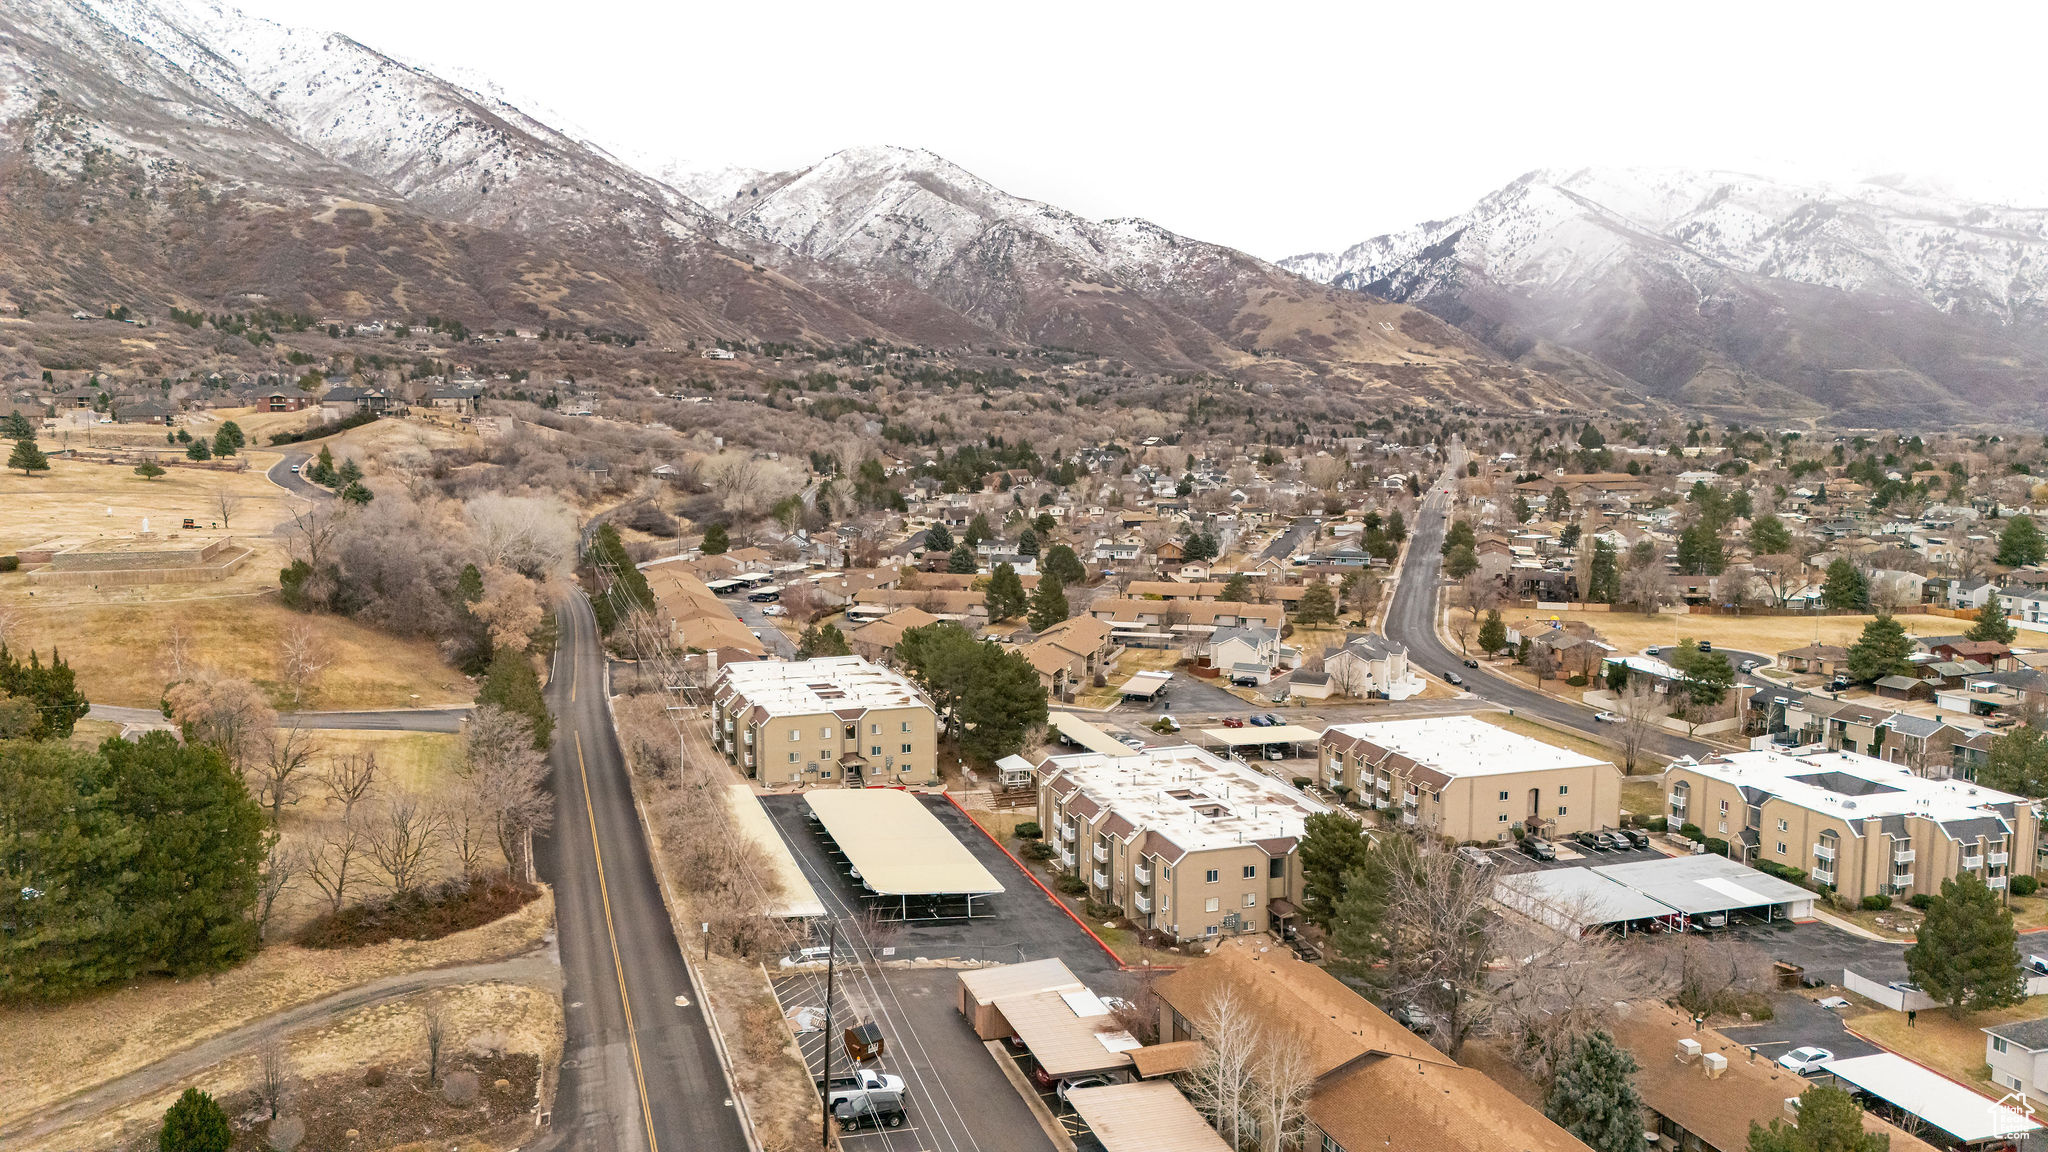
<point>750,615</point>
<point>281,474</point>
<point>392,720</point>
<point>1288,542</point>
<point>639,1073</point>
<point>535,968</point>
<point>1411,621</point>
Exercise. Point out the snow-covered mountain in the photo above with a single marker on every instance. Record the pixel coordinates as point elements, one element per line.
<point>1872,299</point>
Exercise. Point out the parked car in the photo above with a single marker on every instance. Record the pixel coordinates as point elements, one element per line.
<point>1276,752</point>
<point>1749,665</point>
<point>1471,663</point>
<point>1637,837</point>
<point>1261,722</point>
<point>1273,720</point>
<point>1840,683</point>
<point>1073,1082</point>
<point>1477,857</point>
<point>872,1109</point>
<point>1590,840</point>
<point>1652,650</point>
<point>1453,678</point>
<point>856,1084</point>
<point>1539,848</point>
<point>1607,717</point>
<point>1168,723</point>
<point>1233,721</point>
<point>1413,1018</point>
<point>1706,645</point>
<point>1616,840</point>
<point>773,610</point>
<point>1132,741</point>
<point>1805,1060</point>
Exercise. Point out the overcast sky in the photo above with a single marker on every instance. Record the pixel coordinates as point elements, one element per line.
<point>1275,127</point>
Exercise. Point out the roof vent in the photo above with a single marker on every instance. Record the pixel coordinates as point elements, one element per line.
<point>1688,1050</point>
<point>1715,1064</point>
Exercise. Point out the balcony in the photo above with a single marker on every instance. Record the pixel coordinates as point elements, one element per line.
<point>1066,859</point>
<point>1996,859</point>
<point>1823,852</point>
<point>1677,801</point>
<point>1067,833</point>
<point>1101,879</point>
<point>1903,856</point>
<point>1408,819</point>
<point>1382,784</point>
<point>1382,803</point>
<point>1144,904</point>
<point>1973,862</point>
<point>1995,882</point>
<point>1102,853</point>
<point>1408,801</point>
<point>1142,875</point>
<point>1824,875</point>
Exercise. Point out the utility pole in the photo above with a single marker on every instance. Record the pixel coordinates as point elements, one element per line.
<point>825,1093</point>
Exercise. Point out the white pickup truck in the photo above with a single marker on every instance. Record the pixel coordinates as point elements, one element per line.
<point>863,1098</point>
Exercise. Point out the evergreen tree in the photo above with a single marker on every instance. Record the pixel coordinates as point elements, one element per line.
<point>52,688</point>
<point>1830,1120</point>
<point>1603,574</point>
<point>1001,702</point>
<point>1236,590</point>
<point>1493,634</point>
<point>2017,763</point>
<point>27,457</point>
<point>1397,528</point>
<point>1522,510</point>
<point>1559,506</point>
<point>60,838</point>
<point>938,538</point>
<point>1700,552</point>
<point>977,531</point>
<point>1967,953</point>
<point>357,493</point>
<point>17,427</point>
<point>195,1124</point>
<point>511,684</point>
<point>1357,919</point>
<point>716,540</point>
<point>1991,624</point>
<point>1845,589</point>
<point>1768,536</point>
<point>149,470</point>
<point>1027,544</point>
<point>1461,562</point>
<point>223,442</point>
<point>348,473</point>
<point>1882,650</point>
<point>1045,525</point>
<point>322,471</point>
<point>960,561</point>
<point>198,450</point>
<point>942,658</point>
<point>1048,603</point>
<point>233,432</point>
<point>1459,534</point>
<point>1708,675</point>
<point>2021,543</point>
<point>1006,594</point>
<point>1317,605</point>
<point>1593,1096</point>
<point>1332,847</point>
<point>822,640</point>
<point>1061,561</point>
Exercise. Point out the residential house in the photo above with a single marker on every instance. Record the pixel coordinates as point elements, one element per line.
<point>1162,624</point>
<point>1815,659</point>
<point>694,620</point>
<point>835,720</point>
<point>1370,666</point>
<point>146,412</point>
<point>456,397</point>
<point>877,639</point>
<point>1462,778</point>
<point>2018,1056</point>
<point>1376,1086</point>
<point>1071,654</point>
<point>1247,654</point>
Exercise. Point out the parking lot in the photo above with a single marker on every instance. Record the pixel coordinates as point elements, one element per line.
<point>1798,1023</point>
<point>957,1098</point>
<point>1570,855</point>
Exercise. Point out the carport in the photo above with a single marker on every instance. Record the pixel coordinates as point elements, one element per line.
<point>797,900</point>
<point>1915,1097</point>
<point>1579,900</point>
<point>1150,1116</point>
<point>906,860</point>
<point>980,988</point>
<point>1232,739</point>
<point>1080,732</point>
<point>1067,1034</point>
<point>1146,685</point>
<point>1711,888</point>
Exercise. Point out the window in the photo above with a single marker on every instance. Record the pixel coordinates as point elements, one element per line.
<point>906,749</point>
<point>906,725</point>
<point>874,729</point>
<point>1783,827</point>
<point>1251,900</point>
<point>1560,809</point>
<point>1723,826</point>
<point>1998,1044</point>
<point>824,753</point>
<point>1562,789</point>
<point>1503,817</point>
<point>1781,847</point>
<point>1724,807</point>
<point>1277,867</point>
<point>1503,797</point>
<point>875,750</point>
<point>825,733</point>
<point>1251,872</point>
<point>825,774</point>
<point>795,735</point>
<point>1212,880</point>
<point>1211,929</point>
<point>1166,871</point>
<point>1211,904</point>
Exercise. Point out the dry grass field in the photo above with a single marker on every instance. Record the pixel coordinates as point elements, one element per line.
<point>82,499</point>
<point>1633,632</point>
<point>1952,1045</point>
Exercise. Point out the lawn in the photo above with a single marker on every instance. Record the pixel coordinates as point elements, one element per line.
<point>1643,795</point>
<point>1129,664</point>
<point>81,499</point>
<point>1951,1045</point>
<point>119,649</point>
<point>1633,632</point>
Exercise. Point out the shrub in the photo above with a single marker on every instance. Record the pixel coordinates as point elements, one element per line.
<point>2025,885</point>
<point>1071,885</point>
<point>324,430</point>
<point>1656,824</point>
<point>194,1124</point>
<point>1576,681</point>
<point>427,914</point>
<point>1096,911</point>
<point>373,1076</point>
<point>1029,830</point>
<point>1920,900</point>
<point>1691,832</point>
<point>1877,903</point>
<point>9,563</point>
<point>1037,850</point>
<point>1302,781</point>
<point>1717,846</point>
<point>1783,872</point>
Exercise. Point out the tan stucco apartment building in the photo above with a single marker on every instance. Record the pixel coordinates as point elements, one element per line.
<point>836,720</point>
<point>1464,779</point>
<point>1180,839</point>
<point>1863,825</point>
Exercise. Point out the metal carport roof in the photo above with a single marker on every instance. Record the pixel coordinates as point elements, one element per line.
<point>1939,1101</point>
<point>899,848</point>
<point>1697,885</point>
<point>1147,1116</point>
<point>1087,735</point>
<point>1278,734</point>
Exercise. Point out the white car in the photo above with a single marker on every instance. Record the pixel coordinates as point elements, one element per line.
<point>773,610</point>
<point>1089,1081</point>
<point>1607,717</point>
<point>1805,1060</point>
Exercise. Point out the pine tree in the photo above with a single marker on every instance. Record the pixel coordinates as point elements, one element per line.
<point>2021,543</point>
<point>1700,552</point>
<point>1768,536</point>
<point>1001,701</point>
<point>52,688</point>
<point>1332,847</point>
<point>960,561</point>
<point>822,640</point>
<point>2017,763</point>
<point>198,450</point>
<point>17,427</point>
<point>223,442</point>
<point>977,531</point>
<point>512,685</point>
<point>1048,603</point>
<point>1967,953</point>
<point>1830,1120</point>
<point>1493,634</point>
<point>938,538</point>
<point>1063,563</point>
<point>322,471</point>
<point>195,1124</point>
<point>1461,562</point>
<point>1006,594</point>
<point>1397,528</point>
<point>1845,589</point>
<point>357,493</point>
<point>348,473</point>
<point>716,540</point>
<point>1881,651</point>
<point>1027,544</point>
<point>1991,624</point>
<point>233,432</point>
<point>149,470</point>
<point>1317,605</point>
<point>28,457</point>
<point>1603,574</point>
<point>1236,590</point>
<point>1593,1096</point>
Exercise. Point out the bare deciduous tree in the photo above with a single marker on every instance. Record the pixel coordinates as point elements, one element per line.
<point>533,536</point>
<point>227,503</point>
<point>349,778</point>
<point>280,769</point>
<point>274,1076</point>
<point>435,1022</point>
<point>472,827</point>
<point>334,862</point>
<point>1648,588</point>
<point>1220,1083</point>
<point>401,839</point>
<point>1283,1076</point>
<point>302,654</point>
<point>1641,708</point>
<point>1438,925</point>
<point>1557,987</point>
<point>499,759</point>
<point>178,649</point>
<point>227,713</point>
<point>281,870</point>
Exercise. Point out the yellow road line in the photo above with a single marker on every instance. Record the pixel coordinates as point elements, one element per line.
<point>604,894</point>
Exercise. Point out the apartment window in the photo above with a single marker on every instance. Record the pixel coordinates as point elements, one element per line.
<point>1211,904</point>
<point>824,753</point>
<point>1560,809</point>
<point>1781,847</point>
<point>1166,871</point>
<point>1562,789</point>
<point>1503,817</point>
<point>906,725</point>
<point>825,774</point>
<point>825,733</point>
<point>1277,867</point>
<point>1783,827</point>
<point>906,749</point>
<point>1212,879</point>
<point>1724,807</point>
<point>795,735</point>
<point>1251,872</point>
<point>1251,900</point>
<point>1723,827</point>
<point>1210,930</point>
<point>792,757</point>
<point>1998,1043</point>
<point>875,750</point>
<point>874,729</point>
<point>1503,797</point>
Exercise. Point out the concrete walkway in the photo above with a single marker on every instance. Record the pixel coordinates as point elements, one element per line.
<point>540,969</point>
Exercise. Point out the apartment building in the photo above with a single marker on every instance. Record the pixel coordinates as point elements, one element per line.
<point>1857,823</point>
<point>836,720</point>
<point>1179,839</point>
<point>1462,778</point>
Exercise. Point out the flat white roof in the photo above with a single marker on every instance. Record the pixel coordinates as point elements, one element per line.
<point>826,684</point>
<point>1579,897</point>
<point>1277,734</point>
<point>899,848</point>
<point>1146,683</point>
<point>1088,735</point>
<point>797,898</point>
<point>1193,797</point>
<point>1144,1116</point>
<point>1963,1114</point>
<point>1853,785</point>
<point>1465,746</point>
<point>1705,883</point>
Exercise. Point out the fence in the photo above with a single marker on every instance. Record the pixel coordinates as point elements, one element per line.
<point>1891,996</point>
